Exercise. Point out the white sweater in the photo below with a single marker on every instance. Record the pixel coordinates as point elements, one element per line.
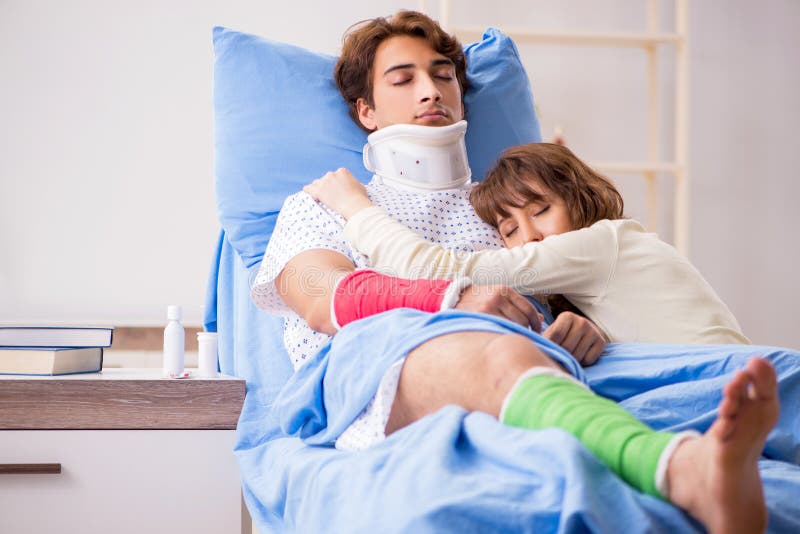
<point>632,285</point>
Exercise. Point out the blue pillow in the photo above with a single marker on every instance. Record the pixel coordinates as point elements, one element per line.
<point>280,122</point>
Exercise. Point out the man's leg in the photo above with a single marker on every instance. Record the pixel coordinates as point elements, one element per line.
<point>475,370</point>
<point>715,477</point>
<point>509,377</point>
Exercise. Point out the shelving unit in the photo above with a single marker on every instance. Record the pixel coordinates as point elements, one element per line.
<point>650,42</point>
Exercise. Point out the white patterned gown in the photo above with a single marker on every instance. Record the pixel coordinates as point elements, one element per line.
<point>443,217</point>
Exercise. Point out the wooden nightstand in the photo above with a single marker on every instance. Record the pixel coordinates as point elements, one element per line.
<point>122,451</point>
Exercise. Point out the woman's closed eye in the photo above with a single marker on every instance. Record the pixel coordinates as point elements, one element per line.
<point>509,233</point>
<point>541,211</point>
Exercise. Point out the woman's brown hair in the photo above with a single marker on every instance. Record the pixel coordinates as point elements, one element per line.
<point>589,197</point>
<point>353,71</point>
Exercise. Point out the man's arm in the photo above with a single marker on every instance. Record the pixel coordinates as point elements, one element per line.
<point>306,259</point>
<point>307,284</point>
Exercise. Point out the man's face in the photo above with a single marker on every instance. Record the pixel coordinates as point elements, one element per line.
<point>412,84</point>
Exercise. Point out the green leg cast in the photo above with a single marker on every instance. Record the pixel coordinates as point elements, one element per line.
<point>626,445</point>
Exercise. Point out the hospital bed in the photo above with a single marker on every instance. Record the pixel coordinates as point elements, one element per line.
<point>452,471</point>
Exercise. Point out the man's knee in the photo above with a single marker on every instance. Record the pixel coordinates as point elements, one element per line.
<point>475,370</point>
<point>507,357</point>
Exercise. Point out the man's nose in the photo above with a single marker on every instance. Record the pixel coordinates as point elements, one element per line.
<point>428,91</point>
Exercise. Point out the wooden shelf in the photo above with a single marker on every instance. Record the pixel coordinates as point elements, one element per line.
<point>624,39</point>
<point>117,399</point>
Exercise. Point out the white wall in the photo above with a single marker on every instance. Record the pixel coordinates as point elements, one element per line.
<point>746,161</point>
<point>106,194</point>
<point>106,200</point>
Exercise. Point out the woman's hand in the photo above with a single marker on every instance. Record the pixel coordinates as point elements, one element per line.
<point>340,191</point>
<point>578,335</point>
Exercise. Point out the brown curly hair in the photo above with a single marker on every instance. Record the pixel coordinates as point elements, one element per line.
<point>512,181</point>
<point>354,69</point>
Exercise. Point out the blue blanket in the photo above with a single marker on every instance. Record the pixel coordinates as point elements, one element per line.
<point>460,472</point>
<point>455,471</point>
<point>330,390</point>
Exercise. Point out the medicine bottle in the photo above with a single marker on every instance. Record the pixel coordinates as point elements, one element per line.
<point>173,343</point>
<point>207,354</point>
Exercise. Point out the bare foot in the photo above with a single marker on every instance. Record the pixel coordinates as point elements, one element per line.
<point>715,477</point>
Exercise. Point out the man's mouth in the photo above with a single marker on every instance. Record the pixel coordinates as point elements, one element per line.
<point>432,114</point>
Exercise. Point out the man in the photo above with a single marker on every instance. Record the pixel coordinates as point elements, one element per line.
<point>306,265</point>
<point>408,71</point>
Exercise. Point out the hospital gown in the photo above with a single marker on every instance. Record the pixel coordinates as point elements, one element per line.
<point>443,217</point>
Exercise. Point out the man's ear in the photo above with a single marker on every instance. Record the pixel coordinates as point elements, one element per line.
<point>366,115</point>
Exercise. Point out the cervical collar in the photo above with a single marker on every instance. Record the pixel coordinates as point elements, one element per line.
<point>426,158</point>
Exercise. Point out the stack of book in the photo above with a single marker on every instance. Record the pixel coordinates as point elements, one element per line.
<point>52,350</point>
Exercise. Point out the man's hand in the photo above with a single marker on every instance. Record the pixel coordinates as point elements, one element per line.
<point>578,335</point>
<point>501,301</point>
<point>340,191</point>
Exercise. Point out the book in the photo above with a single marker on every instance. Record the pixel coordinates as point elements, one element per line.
<point>50,361</point>
<point>55,336</point>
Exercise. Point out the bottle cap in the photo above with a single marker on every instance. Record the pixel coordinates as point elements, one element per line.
<point>174,312</point>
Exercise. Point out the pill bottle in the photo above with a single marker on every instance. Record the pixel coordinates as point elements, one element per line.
<point>173,343</point>
<point>207,354</point>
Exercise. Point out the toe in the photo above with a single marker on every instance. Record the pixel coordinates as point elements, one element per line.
<point>764,378</point>
<point>729,405</point>
<point>723,428</point>
<point>736,390</point>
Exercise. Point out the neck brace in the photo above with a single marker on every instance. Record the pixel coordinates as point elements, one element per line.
<point>422,158</point>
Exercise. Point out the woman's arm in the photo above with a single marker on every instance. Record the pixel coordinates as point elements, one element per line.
<point>574,263</point>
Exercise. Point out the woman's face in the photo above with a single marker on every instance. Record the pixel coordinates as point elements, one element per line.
<point>412,84</point>
<point>535,221</point>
